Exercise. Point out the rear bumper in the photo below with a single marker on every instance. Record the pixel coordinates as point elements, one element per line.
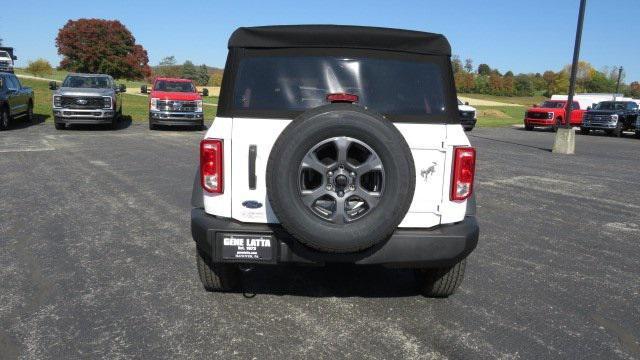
<point>409,248</point>
<point>175,118</point>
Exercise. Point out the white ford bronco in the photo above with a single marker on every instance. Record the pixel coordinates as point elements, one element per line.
<point>336,144</point>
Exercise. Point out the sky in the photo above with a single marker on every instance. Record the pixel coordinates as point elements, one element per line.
<point>517,35</point>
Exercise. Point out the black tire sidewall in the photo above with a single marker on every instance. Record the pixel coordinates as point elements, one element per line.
<point>321,124</point>
<point>4,117</point>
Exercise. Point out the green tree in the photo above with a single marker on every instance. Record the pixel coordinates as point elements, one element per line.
<point>560,84</point>
<point>39,67</point>
<point>523,85</point>
<point>549,79</point>
<point>203,75</point>
<point>600,83</point>
<point>481,85</point>
<point>484,69</point>
<point>189,71</point>
<point>538,82</point>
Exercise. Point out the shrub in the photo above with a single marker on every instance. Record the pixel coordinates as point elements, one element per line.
<point>39,67</point>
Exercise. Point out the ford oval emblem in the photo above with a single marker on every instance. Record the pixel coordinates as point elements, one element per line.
<point>252,204</point>
<point>81,102</point>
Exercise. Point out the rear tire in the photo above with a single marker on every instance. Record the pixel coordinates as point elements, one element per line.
<point>216,277</point>
<point>441,282</point>
<point>555,126</point>
<point>5,120</point>
<point>30,112</point>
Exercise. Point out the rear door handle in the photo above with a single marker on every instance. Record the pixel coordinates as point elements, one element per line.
<point>253,152</point>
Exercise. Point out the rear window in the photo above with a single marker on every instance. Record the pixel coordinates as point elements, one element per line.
<point>298,83</point>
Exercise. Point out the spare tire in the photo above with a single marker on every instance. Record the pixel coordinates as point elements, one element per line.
<point>340,178</point>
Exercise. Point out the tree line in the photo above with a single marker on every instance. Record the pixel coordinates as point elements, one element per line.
<point>169,67</point>
<point>485,80</point>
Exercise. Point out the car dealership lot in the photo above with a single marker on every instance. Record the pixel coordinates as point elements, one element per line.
<point>97,260</point>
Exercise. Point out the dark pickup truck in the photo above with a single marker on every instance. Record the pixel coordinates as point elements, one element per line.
<point>15,100</point>
<point>614,117</point>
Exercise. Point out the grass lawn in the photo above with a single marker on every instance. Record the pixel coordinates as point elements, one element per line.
<point>134,106</point>
<point>520,100</point>
<point>497,116</point>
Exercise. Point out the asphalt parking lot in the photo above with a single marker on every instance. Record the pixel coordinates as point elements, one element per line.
<point>97,260</point>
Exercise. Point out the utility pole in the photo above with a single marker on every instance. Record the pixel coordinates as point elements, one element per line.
<point>565,142</point>
<point>618,84</point>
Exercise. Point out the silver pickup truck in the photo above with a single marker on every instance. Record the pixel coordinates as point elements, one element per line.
<point>87,99</point>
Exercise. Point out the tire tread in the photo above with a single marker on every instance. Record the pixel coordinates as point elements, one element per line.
<point>216,277</point>
<point>442,282</point>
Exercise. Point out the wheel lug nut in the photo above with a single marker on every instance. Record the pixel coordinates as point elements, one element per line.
<point>352,187</point>
<point>340,193</point>
<point>330,174</point>
<point>353,174</point>
<point>329,187</point>
<point>341,166</point>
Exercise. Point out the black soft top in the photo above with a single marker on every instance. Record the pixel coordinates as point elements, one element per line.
<point>340,36</point>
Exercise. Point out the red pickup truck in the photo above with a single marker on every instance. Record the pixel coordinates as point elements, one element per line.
<point>175,102</point>
<point>551,114</point>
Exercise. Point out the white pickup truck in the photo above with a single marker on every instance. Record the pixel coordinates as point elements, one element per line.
<point>336,144</point>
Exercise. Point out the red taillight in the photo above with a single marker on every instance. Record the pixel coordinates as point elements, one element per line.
<point>211,165</point>
<point>342,98</point>
<point>464,168</point>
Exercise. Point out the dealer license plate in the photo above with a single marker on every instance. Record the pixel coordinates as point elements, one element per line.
<point>254,247</point>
